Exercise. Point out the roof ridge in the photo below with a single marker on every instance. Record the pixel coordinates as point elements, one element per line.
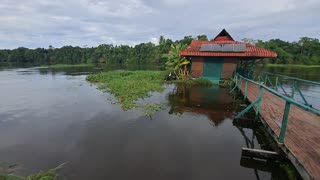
<point>223,33</point>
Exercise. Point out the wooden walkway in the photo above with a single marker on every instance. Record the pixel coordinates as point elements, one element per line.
<point>302,138</point>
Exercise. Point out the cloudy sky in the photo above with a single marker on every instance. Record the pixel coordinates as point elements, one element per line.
<point>40,23</point>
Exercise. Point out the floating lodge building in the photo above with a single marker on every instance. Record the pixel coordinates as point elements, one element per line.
<point>219,58</point>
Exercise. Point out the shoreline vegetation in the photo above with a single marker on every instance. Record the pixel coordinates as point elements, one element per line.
<point>61,66</point>
<point>128,87</point>
<point>93,65</point>
<point>302,51</point>
<point>292,65</point>
<point>54,66</point>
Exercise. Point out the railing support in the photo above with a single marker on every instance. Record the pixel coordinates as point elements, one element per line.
<point>259,100</point>
<point>293,88</point>
<point>240,84</point>
<point>285,92</point>
<point>236,82</point>
<point>256,102</point>
<point>302,96</point>
<point>284,122</point>
<point>245,90</point>
<point>247,109</point>
<point>268,80</point>
<point>265,79</point>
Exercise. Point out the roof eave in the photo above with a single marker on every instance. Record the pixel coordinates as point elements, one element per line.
<point>225,55</point>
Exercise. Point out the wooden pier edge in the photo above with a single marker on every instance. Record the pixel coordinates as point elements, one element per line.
<point>302,151</point>
<point>296,163</point>
<point>289,155</point>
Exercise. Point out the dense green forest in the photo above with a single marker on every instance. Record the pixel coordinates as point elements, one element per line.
<point>144,53</point>
<point>305,51</point>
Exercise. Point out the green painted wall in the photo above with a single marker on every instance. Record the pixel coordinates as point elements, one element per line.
<point>212,68</point>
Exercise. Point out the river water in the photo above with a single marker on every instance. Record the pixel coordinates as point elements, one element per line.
<point>49,117</point>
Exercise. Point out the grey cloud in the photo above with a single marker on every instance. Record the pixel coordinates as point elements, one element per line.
<point>40,23</point>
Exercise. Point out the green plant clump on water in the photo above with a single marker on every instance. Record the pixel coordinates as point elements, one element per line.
<point>150,108</point>
<point>129,86</point>
<point>193,82</point>
<point>226,83</point>
<point>50,174</point>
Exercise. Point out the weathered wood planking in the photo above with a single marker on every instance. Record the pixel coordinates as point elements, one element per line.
<point>302,138</point>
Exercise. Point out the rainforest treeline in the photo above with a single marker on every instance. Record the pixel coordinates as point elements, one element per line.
<point>305,51</point>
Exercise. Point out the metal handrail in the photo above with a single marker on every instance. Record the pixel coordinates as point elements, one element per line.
<point>294,78</point>
<point>257,102</point>
<point>294,86</point>
<point>307,108</point>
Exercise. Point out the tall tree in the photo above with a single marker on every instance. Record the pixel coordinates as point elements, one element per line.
<point>202,37</point>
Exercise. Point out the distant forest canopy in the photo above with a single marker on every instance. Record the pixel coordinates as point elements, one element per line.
<point>305,51</point>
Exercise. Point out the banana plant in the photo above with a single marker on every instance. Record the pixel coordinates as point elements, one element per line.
<point>176,63</point>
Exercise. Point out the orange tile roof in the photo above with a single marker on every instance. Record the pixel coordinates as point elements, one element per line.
<point>251,51</point>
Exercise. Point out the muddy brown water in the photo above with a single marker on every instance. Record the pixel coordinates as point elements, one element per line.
<point>50,117</point>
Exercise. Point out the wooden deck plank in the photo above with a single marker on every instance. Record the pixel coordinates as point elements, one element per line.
<point>303,129</point>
